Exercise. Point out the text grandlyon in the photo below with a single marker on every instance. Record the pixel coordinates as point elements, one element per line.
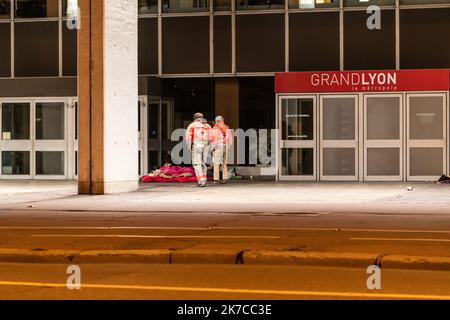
<point>354,79</point>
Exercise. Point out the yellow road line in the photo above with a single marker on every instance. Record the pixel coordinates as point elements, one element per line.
<point>148,236</point>
<point>241,291</point>
<point>402,239</point>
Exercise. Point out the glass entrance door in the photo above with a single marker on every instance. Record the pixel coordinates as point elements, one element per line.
<point>383,137</point>
<point>160,116</point>
<point>15,140</point>
<point>426,131</point>
<point>33,140</point>
<point>298,140</point>
<point>339,138</point>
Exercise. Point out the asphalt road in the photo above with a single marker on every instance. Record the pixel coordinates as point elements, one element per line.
<point>343,233</point>
<point>191,282</point>
<point>357,233</point>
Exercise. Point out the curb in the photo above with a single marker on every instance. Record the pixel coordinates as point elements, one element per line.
<point>192,256</point>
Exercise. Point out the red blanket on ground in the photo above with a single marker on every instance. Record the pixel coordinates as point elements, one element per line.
<point>171,174</point>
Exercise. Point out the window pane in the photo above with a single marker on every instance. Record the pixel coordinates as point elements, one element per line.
<point>366,49</point>
<point>148,45</point>
<point>383,118</point>
<point>15,163</point>
<point>5,9</point>
<point>185,5</point>
<point>36,49</point>
<point>222,5</point>
<point>383,161</point>
<point>359,3</point>
<point>15,121</point>
<point>339,162</point>
<point>260,42</point>
<point>50,121</point>
<point>297,119</point>
<point>426,118</point>
<point>69,42</point>
<point>222,44</point>
<point>192,35</point>
<point>50,163</point>
<point>36,8</point>
<point>148,6</point>
<point>339,121</point>
<point>314,41</point>
<point>297,162</point>
<point>5,50</point>
<point>310,4</point>
<point>415,42</point>
<point>259,4</point>
<point>426,162</point>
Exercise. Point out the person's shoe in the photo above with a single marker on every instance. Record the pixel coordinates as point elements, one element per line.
<point>224,181</point>
<point>202,184</point>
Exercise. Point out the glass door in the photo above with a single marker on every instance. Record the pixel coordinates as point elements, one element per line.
<point>50,139</point>
<point>339,138</point>
<point>298,142</point>
<point>427,136</point>
<point>383,137</point>
<point>15,139</point>
<point>160,124</point>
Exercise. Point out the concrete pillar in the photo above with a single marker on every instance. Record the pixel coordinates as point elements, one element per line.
<point>107,97</point>
<point>227,100</point>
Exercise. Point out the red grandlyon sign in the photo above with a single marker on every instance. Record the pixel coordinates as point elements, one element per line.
<point>363,81</point>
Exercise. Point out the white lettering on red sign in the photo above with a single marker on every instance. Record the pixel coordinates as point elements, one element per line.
<point>354,79</point>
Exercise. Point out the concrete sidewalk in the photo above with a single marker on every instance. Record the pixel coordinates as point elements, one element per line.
<point>242,197</point>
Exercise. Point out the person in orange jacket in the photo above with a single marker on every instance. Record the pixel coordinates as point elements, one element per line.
<point>221,140</point>
<point>198,141</point>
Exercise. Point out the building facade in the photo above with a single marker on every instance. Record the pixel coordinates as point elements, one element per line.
<point>222,57</point>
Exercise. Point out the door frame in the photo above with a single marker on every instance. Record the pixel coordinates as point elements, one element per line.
<point>338,143</point>
<point>300,144</point>
<point>426,143</point>
<point>400,143</point>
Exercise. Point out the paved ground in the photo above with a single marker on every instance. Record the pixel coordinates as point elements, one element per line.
<point>143,281</point>
<point>378,220</point>
<point>242,197</point>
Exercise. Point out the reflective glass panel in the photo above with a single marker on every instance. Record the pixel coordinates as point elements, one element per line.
<point>297,118</point>
<point>15,163</point>
<point>15,121</point>
<point>297,162</point>
<point>50,163</point>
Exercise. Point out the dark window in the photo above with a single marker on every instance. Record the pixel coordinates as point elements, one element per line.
<point>37,8</point>
<point>50,163</point>
<point>186,45</point>
<point>222,5</point>
<point>259,4</point>
<point>148,6</point>
<point>359,3</point>
<point>69,42</point>
<point>15,163</point>
<point>5,51</point>
<point>148,46</point>
<point>365,48</point>
<point>260,43</point>
<point>314,41</point>
<point>5,9</point>
<point>424,38</point>
<point>300,4</point>
<point>36,49</point>
<point>185,5</point>
<point>222,44</point>
<point>15,121</point>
